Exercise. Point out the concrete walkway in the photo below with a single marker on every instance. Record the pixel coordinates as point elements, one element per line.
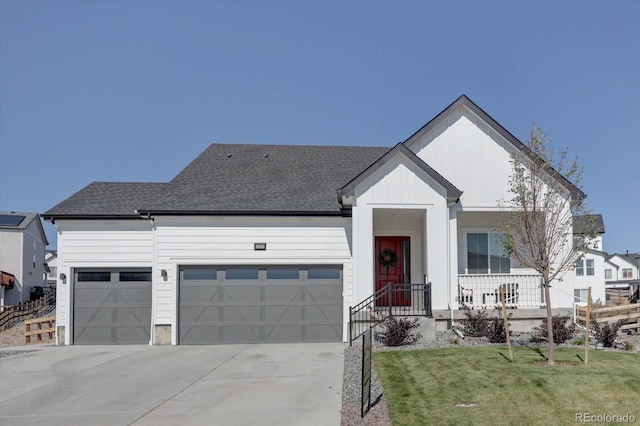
<point>274,384</point>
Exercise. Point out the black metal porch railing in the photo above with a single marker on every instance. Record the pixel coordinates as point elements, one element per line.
<point>400,300</point>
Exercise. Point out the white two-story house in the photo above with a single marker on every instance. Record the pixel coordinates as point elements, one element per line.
<point>590,268</point>
<point>622,273</point>
<point>274,243</point>
<point>22,266</point>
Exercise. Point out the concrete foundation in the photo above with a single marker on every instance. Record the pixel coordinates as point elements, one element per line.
<point>427,328</point>
<point>520,320</point>
<point>60,335</point>
<point>162,335</point>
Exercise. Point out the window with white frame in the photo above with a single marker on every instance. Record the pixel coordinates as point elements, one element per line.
<point>485,254</point>
<point>607,274</point>
<point>590,267</point>
<point>580,295</point>
<point>585,265</point>
<point>627,273</point>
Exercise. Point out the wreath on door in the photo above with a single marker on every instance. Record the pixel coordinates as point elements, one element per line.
<point>388,258</point>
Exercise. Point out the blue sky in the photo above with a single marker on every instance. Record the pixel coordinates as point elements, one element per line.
<point>133,91</point>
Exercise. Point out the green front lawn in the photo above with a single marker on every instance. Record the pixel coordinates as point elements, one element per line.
<point>422,387</point>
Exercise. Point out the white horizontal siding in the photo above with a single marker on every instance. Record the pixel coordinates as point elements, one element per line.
<point>235,241</point>
<point>107,243</point>
<point>11,252</point>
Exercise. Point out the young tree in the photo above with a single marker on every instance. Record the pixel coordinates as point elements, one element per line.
<point>538,219</point>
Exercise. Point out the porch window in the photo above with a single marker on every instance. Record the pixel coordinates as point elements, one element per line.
<point>485,254</point>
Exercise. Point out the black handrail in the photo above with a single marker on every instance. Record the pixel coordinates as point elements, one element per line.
<point>390,300</point>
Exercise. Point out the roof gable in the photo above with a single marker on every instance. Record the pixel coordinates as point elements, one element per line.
<point>452,192</point>
<point>22,222</point>
<point>588,223</point>
<point>464,101</point>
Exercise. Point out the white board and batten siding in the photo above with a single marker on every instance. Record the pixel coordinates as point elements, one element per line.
<point>472,156</point>
<point>98,244</point>
<point>230,241</point>
<point>400,184</point>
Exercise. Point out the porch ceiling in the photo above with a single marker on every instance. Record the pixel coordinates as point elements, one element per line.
<point>382,218</point>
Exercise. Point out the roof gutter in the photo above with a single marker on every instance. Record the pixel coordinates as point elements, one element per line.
<point>53,217</point>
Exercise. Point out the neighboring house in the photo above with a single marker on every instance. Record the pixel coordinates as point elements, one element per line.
<point>622,272</point>
<point>590,269</point>
<point>253,243</point>
<point>22,245</point>
<point>51,275</point>
<point>622,267</point>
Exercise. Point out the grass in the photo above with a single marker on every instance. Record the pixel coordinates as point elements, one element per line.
<point>422,387</point>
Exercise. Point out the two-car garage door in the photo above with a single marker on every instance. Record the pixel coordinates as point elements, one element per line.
<point>251,304</point>
<point>216,304</point>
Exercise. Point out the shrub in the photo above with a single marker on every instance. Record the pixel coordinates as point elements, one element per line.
<point>607,333</point>
<point>628,346</point>
<point>481,324</point>
<point>579,341</point>
<point>497,331</point>
<point>561,332</point>
<point>398,332</point>
<point>476,324</point>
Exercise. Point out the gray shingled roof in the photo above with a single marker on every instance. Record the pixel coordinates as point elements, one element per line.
<point>585,223</point>
<point>108,199</point>
<point>234,178</point>
<point>28,218</point>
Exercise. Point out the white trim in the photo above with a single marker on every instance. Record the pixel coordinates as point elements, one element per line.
<point>478,230</point>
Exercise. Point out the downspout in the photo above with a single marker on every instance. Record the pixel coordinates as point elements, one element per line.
<point>152,328</point>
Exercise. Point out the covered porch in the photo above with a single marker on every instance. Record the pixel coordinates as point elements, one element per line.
<point>482,291</point>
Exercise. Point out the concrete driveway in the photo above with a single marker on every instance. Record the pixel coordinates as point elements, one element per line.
<point>274,384</point>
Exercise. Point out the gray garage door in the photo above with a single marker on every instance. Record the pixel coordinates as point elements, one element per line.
<point>253,304</point>
<point>112,306</point>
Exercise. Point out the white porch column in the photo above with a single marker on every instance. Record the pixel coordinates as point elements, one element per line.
<point>437,249</point>
<point>363,280</point>
<point>453,255</point>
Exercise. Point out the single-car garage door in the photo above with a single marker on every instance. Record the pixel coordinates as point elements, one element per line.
<point>112,306</point>
<point>252,304</point>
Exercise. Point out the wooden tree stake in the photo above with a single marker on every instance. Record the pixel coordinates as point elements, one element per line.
<point>506,322</point>
<point>586,337</point>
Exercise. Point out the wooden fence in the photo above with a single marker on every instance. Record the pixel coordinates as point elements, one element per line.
<point>41,326</point>
<point>628,314</point>
<point>9,315</point>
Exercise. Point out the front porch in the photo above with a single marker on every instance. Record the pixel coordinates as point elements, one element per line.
<point>482,291</point>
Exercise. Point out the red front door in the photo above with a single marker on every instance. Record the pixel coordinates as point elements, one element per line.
<point>392,266</point>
